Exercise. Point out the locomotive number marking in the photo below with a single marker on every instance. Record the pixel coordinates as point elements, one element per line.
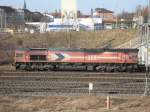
<point>91,57</point>
<point>94,57</point>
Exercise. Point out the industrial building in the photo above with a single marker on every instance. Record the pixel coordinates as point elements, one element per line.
<point>15,20</point>
<point>66,19</point>
<point>11,18</point>
<point>82,24</point>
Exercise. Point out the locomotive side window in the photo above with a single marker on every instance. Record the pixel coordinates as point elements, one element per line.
<point>38,57</point>
<point>19,55</point>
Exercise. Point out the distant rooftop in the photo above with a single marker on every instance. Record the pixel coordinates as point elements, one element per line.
<point>27,11</point>
<point>7,8</point>
<point>103,10</point>
<point>56,14</point>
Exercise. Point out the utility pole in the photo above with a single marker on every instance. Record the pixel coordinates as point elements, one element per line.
<point>1,18</point>
<point>5,20</point>
<point>147,54</point>
<point>148,11</point>
<point>147,67</point>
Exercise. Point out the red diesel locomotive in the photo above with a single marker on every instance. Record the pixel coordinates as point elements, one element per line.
<point>105,60</point>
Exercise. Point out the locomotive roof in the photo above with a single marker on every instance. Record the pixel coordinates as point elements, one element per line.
<point>80,49</point>
<point>93,50</point>
<point>28,49</point>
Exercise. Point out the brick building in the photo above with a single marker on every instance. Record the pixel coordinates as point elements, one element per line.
<point>108,17</point>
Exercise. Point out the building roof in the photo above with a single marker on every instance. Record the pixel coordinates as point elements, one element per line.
<point>84,16</point>
<point>27,11</point>
<point>109,21</point>
<point>7,8</point>
<point>103,10</point>
<point>56,14</point>
<point>37,13</point>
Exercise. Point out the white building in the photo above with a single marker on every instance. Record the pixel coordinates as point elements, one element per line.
<point>59,25</point>
<point>143,52</point>
<point>81,24</point>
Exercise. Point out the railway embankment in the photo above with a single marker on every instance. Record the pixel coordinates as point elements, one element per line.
<point>100,39</point>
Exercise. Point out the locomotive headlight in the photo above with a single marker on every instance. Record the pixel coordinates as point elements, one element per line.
<point>49,57</point>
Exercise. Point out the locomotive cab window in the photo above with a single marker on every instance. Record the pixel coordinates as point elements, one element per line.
<point>38,57</point>
<point>19,55</point>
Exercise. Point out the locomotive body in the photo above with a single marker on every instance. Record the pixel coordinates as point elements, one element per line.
<point>77,59</point>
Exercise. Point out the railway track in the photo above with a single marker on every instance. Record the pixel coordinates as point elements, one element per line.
<point>69,73</point>
<point>70,83</point>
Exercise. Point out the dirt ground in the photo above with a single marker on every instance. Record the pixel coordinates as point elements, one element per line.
<point>73,104</point>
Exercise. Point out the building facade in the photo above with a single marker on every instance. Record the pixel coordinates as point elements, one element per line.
<point>108,17</point>
<point>2,19</point>
<point>11,18</point>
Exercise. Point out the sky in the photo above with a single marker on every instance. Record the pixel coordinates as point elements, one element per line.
<point>84,5</point>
